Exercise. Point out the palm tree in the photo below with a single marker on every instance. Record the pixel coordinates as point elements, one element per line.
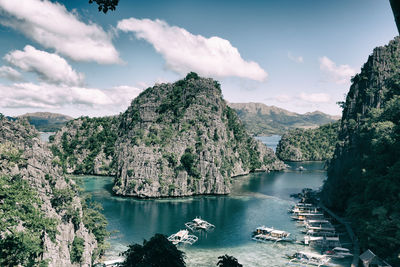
<point>157,252</point>
<point>228,261</point>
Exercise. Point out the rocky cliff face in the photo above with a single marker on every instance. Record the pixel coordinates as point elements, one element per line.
<point>182,139</point>
<point>363,176</point>
<point>86,145</point>
<point>55,219</point>
<point>309,145</point>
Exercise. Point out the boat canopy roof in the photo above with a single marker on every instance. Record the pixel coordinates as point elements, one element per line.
<point>313,255</point>
<point>263,228</point>
<point>369,258</point>
<point>341,249</point>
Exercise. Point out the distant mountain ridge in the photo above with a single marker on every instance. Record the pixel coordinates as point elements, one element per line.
<point>260,119</point>
<point>46,121</point>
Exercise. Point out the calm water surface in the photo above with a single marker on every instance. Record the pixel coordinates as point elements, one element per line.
<point>257,199</point>
<point>270,141</point>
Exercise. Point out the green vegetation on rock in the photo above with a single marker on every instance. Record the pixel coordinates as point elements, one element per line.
<point>25,225</point>
<point>86,145</point>
<point>309,145</point>
<point>40,212</point>
<point>182,139</point>
<point>363,177</point>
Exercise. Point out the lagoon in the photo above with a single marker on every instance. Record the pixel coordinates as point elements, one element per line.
<point>256,199</point>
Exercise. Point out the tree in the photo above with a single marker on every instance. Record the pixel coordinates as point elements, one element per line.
<point>105,5</point>
<point>157,252</point>
<point>228,261</point>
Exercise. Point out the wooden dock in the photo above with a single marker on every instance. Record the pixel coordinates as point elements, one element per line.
<point>354,240</point>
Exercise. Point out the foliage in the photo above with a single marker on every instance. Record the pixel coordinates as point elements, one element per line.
<point>228,261</point>
<point>11,153</point>
<point>363,177</point>
<point>188,161</point>
<point>311,144</point>
<point>95,221</point>
<point>62,198</point>
<point>77,249</point>
<point>20,206</point>
<point>95,135</point>
<point>157,252</point>
<point>105,5</point>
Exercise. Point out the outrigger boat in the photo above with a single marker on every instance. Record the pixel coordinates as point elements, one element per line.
<point>199,224</point>
<point>322,241</point>
<point>306,209</point>
<point>263,234</point>
<point>301,207</point>
<point>307,216</point>
<point>182,237</point>
<point>338,253</point>
<point>308,258</point>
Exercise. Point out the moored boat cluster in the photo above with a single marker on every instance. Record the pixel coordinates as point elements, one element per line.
<point>319,233</point>
<point>183,236</point>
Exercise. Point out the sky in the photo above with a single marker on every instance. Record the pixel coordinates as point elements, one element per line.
<point>66,57</point>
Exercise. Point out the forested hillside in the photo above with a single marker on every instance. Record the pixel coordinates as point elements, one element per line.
<point>363,177</point>
<point>262,120</point>
<point>309,144</point>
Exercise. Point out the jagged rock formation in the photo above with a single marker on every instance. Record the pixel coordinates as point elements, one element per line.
<point>41,214</point>
<point>260,119</point>
<point>309,145</point>
<point>86,145</point>
<point>182,139</point>
<point>363,177</point>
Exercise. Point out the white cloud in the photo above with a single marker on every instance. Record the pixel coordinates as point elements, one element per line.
<point>124,94</point>
<point>315,97</point>
<point>10,73</point>
<point>298,59</point>
<point>50,96</point>
<point>51,25</point>
<point>50,67</point>
<point>184,52</point>
<point>339,74</point>
<point>283,98</point>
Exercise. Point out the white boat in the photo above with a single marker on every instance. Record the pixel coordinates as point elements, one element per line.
<point>263,234</point>
<point>307,216</point>
<point>199,224</point>
<point>308,258</point>
<point>322,241</point>
<point>307,209</point>
<point>338,253</point>
<point>182,237</point>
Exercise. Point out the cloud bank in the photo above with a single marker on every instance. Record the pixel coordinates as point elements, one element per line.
<point>50,67</point>
<point>51,25</point>
<point>339,74</point>
<point>10,73</point>
<point>52,96</point>
<point>184,51</point>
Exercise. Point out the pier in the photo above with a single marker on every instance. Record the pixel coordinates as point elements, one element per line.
<point>354,240</point>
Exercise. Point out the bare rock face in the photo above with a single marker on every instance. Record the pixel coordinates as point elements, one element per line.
<point>24,157</point>
<point>86,145</point>
<point>182,139</point>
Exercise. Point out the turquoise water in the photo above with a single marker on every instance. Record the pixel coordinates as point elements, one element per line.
<point>257,199</point>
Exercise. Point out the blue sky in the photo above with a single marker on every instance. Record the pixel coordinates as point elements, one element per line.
<point>65,56</point>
